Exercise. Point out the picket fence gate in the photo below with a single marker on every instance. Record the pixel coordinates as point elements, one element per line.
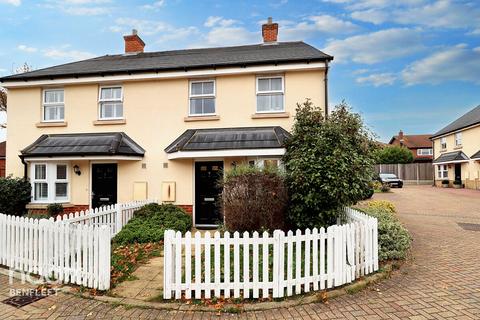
<point>57,251</point>
<point>75,248</point>
<point>259,265</point>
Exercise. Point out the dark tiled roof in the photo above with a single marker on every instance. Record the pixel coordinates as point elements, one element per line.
<point>83,144</point>
<point>229,138</point>
<point>451,156</point>
<point>476,155</point>
<point>468,119</point>
<point>415,140</point>
<point>3,147</point>
<point>281,52</point>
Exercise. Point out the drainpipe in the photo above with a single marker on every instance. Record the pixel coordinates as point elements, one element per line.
<point>433,158</point>
<point>25,168</point>
<point>326,88</point>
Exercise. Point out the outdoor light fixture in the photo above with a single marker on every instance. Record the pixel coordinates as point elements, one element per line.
<point>76,169</point>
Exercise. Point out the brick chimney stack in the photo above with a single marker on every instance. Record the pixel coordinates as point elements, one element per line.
<point>270,31</point>
<point>133,43</point>
<point>400,137</point>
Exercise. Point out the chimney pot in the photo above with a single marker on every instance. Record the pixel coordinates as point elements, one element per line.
<point>133,43</point>
<point>270,31</point>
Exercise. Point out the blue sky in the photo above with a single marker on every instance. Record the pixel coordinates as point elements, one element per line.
<point>412,65</point>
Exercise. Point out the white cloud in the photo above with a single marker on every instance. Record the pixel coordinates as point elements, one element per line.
<point>15,3</point>
<point>80,7</point>
<point>214,21</point>
<point>377,79</point>
<point>475,32</point>
<point>86,11</point>
<point>371,15</point>
<point>377,46</point>
<point>229,36</point>
<point>314,25</point>
<point>455,63</point>
<point>71,55</point>
<point>25,48</point>
<point>155,5</point>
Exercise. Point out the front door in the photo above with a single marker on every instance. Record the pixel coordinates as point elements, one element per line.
<point>458,171</point>
<point>104,184</point>
<point>207,192</point>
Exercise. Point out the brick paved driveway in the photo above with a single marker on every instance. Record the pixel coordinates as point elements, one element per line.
<point>443,281</point>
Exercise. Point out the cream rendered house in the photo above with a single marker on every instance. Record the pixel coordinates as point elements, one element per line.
<point>457,151</point>
<point>157,124</point>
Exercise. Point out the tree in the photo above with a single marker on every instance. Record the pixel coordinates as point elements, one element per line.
<point>328,163</point>
<point>393,154</point>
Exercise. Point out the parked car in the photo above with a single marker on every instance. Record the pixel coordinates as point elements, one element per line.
<point>391,179</point>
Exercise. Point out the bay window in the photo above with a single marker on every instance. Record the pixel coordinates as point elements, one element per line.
<point>270,94</point>
<point>110,103</point>
<point>50,182</point>
<point>53,105</point>
<point>202,98</point>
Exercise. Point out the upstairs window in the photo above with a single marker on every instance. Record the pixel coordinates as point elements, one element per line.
<point>111,103</point>
<point>202,98</point>
<point>270,94</point>
<point>53,105</point>
<point>443,143</point>
<point>424,152</point>
<point>49,182</point>
<point>458,139</point>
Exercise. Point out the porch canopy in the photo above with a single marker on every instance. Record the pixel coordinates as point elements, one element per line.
<point>451,157</point>
<point>88,146</point>
<point>229,142</point>
<point>476,156</point>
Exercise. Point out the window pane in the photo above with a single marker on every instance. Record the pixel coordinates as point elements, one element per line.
<point>54,96</point>
<point>118,110</point>
<point>61,172</point>
<point>263,103</point>
<point>277,102</point>
<point>196,88</point>
<point>195,106</point>
<point>117,93</point>
<point>107,109</point>
<point>40,172</point>
<point>61,190</point>
<point>263,84</point>
<point>276,84</point>
<point>53,113</point>
<point>208,105</point>
<point>41,190</point>
<point>208,88</point>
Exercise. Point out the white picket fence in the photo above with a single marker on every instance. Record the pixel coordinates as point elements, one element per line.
<point>68,253</point>
<point>280,265</point>
<point>74,248</point>
<point>114,216</point>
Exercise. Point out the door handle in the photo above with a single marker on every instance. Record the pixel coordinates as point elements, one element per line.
<point>209,199</point>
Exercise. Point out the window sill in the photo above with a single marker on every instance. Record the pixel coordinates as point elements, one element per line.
<point>109,122</point>
<point>51,124</point>
<point>201,118</point>
<point>458,147</point>
<point>271,115</point>
<point>443,150</point>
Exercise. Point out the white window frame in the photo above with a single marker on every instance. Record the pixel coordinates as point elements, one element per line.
<point>52,104</point>
<point>101,101</point>
<point>458,139</point>
<point>271,92</point>
<point>443,141</point>
<point>50,180</point>
<point>420,152</point>
<point>442,171</point>
<point>260,161</point>
<point>200,96</point>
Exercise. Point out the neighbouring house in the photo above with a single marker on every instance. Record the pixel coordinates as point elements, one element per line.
<point>457,151</point>
<point>419,144</point>
<point>159,125</point>
<point>3,147</point>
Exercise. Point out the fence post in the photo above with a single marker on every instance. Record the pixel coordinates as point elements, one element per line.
<point>104,257</point>
<point>278,252</point>
<point>167,264</point>
<point>118,218</point>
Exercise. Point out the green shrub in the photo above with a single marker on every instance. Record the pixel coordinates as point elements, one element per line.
<point>382,205</point>
<point>54,209</point>
<point>150,222</point>
<point>393,154</point>
<point>254,199</point>
<point>393,239</point>
<point>329,164</point>
<point>15,194</point>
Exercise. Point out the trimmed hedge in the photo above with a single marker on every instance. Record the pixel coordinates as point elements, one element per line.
<point>393,239</point>
<point>150,222</point>
<point>15,194</point>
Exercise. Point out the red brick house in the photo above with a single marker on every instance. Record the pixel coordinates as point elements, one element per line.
<point>3,146</point>
<point>419,144</point>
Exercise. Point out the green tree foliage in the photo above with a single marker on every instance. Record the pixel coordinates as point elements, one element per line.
<point>328,162</point>
<point>15,194</point>
<point>393,154</point>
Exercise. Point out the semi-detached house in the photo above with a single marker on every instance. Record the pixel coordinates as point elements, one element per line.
<point>159,125</point>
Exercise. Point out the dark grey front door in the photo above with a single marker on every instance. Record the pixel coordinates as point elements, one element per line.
<point>207,192</point>
<point>104,184</point>
<point>458,172</point>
